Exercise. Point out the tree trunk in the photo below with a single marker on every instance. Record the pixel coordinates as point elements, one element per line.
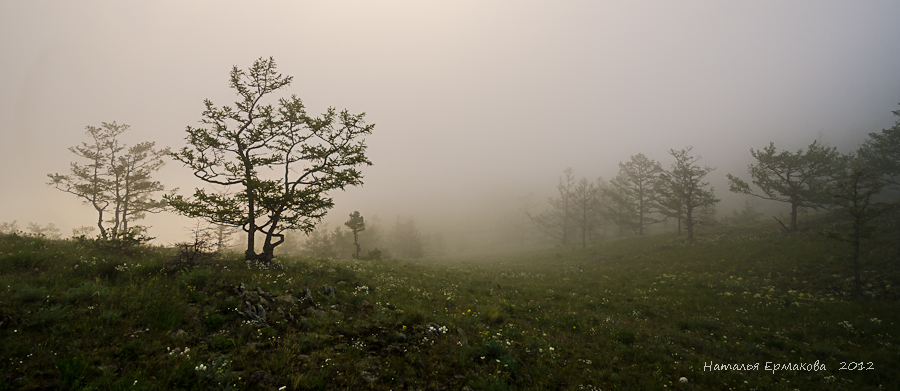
<point>250,254</point>
<point>856,240</point>
<point>356,242</point>
<point>690,224</point>
<point>794,217</point>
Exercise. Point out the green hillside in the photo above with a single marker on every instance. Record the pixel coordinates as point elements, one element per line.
<point>635,313</point>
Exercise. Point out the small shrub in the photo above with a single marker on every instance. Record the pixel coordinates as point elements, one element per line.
<point>30,294</point>
<point>20,262</point>
<point>71,372</point>
<point>373,255</point>
<point>47,317</point>
<point>85,292</point>
<point>626,337</point>
<point>492,315</point>
<point>220,343</point>
<point>214,321</point>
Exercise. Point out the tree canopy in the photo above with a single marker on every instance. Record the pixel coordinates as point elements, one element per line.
<point>685,190</point>
<point>631,193</point>
<point>116,181</point>
<point>803,178</point>
<point>276,163</point>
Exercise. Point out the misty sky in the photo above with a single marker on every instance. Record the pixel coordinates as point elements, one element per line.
<point>475,103</point>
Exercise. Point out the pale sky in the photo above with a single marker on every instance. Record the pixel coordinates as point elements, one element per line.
<point>475,103</point>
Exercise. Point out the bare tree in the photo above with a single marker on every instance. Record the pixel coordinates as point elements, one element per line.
<point>586,211</point>
<point>557,221</point>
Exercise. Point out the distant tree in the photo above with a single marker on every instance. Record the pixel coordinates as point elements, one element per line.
<point>373,237</point>
<point>747,215</point>
<point>684,185</point>
<point>85,231</point>
<point>632,192</point>
<point>586,211</point>
<point>557,222</point>
<point>116,180</point>
<point>406,242</point>
<point>319,243</point>
<point>9,228</point>
<point>669,201</point>
<point>281,161</point>
<point>223,236</point>
<point>882,152</point>
<point>357,224</point>
<point>49,231</point>
<point>525,203</point>
<point>803,179</point>
<point>853,193</point>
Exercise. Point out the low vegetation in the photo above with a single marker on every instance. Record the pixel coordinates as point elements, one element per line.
<point>637,313</point>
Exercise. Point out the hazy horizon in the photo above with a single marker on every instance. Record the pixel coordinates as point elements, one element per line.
<point>475,104</point>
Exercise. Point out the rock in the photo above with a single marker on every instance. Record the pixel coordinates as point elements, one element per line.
<point>257,313</point>
<point>467,388</point>
<point>328,290</point>
<point>307,295</point>
<point>287,299</point>
<point>462,336</point>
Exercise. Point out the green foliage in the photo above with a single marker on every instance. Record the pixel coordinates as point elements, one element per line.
<point>357,224</point>
<point>238,144</point>
<point>630,195</point>
<point>882,151</point>
<point>20,261</point>
<point>214,321</point>
<point>88,291</point>
<point>116,179</point>
<point>803,178</point>
<point>636,313</point>
<point>682,191</point>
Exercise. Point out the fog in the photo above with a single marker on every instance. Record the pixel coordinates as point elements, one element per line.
<point>475,104</point>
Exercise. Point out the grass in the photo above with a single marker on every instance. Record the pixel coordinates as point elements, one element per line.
<point>637,313</point>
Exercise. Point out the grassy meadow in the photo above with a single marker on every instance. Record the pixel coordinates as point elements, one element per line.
<point>650,313</point>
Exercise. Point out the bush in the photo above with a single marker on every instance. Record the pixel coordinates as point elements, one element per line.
<point>214,321</point>
<point>30,294</point>
<point>85,292</point>
<point>20,262</point>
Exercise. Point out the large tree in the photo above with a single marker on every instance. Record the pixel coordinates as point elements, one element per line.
<point>686,188</point>
<point>803,178</point>
<point>116,180</point>
<point>632,192</point>
<point>277,162</point>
